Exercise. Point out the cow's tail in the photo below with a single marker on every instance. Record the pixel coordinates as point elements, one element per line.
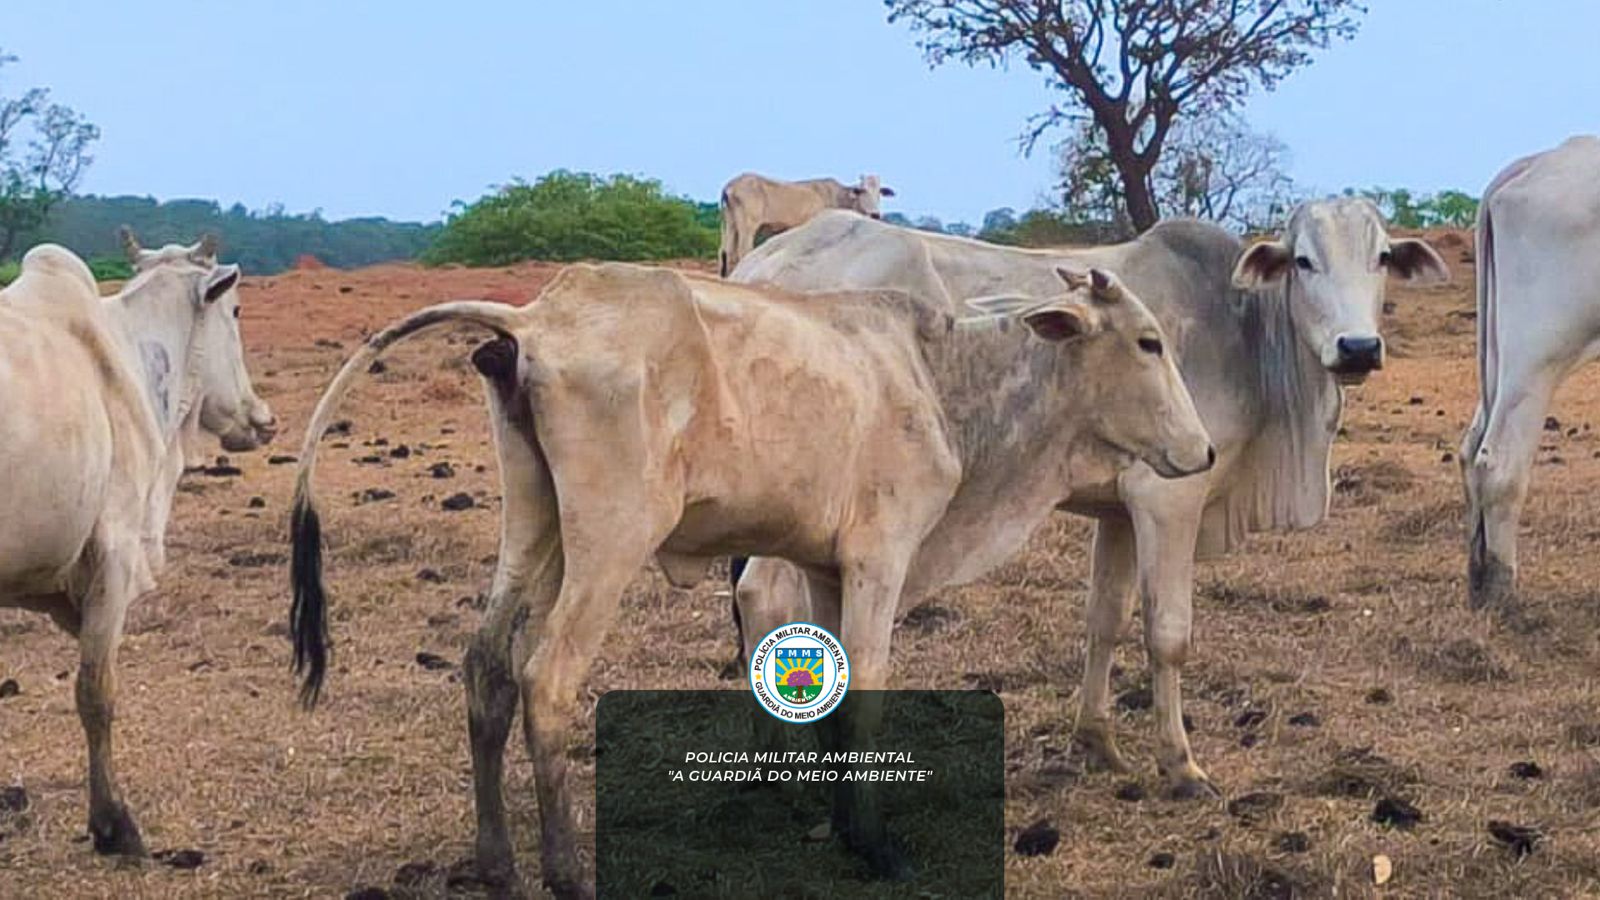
<point>1479,566</point>
<point>308,613</point>
<point>1488,336</point>
<point>729,235</point>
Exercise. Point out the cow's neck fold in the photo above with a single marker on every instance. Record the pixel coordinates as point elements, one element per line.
<point>1302,403</point>
<point>1002,391</point>
<point>159,329</point>
<point>1013,422</point>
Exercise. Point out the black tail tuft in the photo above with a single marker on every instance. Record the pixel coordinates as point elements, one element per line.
<point>308,616</point>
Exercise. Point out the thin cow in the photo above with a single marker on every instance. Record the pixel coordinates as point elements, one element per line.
<point>97,393</point>
<point>1264,336</point>
<point>867,437</point>
<point>1538,321</point>
<point>755,206</point>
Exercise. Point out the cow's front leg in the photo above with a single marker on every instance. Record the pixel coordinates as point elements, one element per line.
<point>870,594</point>
<point>1166,532</point>
<point>110,824</point>
<point>1110,607</point>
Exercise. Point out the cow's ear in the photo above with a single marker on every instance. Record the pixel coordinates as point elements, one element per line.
<point>1262,264</point>
<point>1001,304</point>
<point>1062,321</point>
<point>1415,260</point>
<point>886,191</point>
<point>219,281</point>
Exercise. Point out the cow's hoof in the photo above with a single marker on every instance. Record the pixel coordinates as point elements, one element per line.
<point>888,863</point>
<point>1491,585</point>
<point>498,879</point>
<point>1100,749</point>
<point>1194,787</point>
<point>115,834</point>
<point>570,889</point>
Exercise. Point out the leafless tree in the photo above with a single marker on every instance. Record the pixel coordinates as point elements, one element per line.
<point>1134,67</point>
<point>1213,168</point>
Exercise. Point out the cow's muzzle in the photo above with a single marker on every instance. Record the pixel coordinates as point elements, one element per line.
<point>1357,358</point>
<point>259,431</point>
<point>1167,467</point>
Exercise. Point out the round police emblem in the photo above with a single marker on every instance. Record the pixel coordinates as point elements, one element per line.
<point>799,672</point>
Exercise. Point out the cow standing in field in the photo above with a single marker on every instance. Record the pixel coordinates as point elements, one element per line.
<point>755,206</point>
<point>97,393</point>
<point>1265,369</point>
<point>878,444</point>
<point>1538,261</point>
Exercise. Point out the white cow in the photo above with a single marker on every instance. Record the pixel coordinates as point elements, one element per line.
<point>1264,365</point>
<point>755,205</point>
<point>96,392</point>
<point>1538,319</point>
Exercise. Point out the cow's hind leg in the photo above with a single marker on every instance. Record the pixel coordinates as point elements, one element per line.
<point>1110,608</point>
<point>527,577</point>
<point>104,606</point>
<point>523,591</point>
<point>1165,533</point>
<point>1497,482</point>
<point>599,563</point>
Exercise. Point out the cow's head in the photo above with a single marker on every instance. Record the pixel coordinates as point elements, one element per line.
<point>201,253</point>
<point>1128,385</point>
<point>1332,261</point>
<point>868,196</point>
<point>227,401</point>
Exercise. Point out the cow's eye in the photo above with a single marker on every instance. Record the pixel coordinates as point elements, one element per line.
<point>1304,262</point>
<point>236,312</point>
<point>1385,259</point>
<point>1150,345</point>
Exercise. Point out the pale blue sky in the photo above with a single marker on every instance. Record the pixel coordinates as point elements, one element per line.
<point>396,108</point>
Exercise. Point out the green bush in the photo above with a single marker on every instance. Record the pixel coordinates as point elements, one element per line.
<point>105,268</point>
<point>1452,209</point>
<point>110,268</point>
<point>1047,228</point>
<point>566,216</point>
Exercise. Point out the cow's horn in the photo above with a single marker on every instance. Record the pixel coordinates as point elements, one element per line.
<point>206,250</point>
<point>130,244</point>
<point>1105,285</point>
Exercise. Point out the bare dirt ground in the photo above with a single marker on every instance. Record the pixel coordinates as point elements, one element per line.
<point>1331,668</point>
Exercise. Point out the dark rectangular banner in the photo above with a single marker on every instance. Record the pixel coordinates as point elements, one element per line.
<point>705,794</point>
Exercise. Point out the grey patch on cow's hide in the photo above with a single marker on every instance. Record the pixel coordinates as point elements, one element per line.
<point>158,377</point>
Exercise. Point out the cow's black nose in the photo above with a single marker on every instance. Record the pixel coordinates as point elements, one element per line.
<point>1359,355</point>
<point>1211,456</point>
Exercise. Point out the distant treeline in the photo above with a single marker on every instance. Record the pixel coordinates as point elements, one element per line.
<point>561,216</point>
<point>263,242</point>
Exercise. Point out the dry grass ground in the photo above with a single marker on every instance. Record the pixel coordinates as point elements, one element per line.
<point>1360,623</point>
